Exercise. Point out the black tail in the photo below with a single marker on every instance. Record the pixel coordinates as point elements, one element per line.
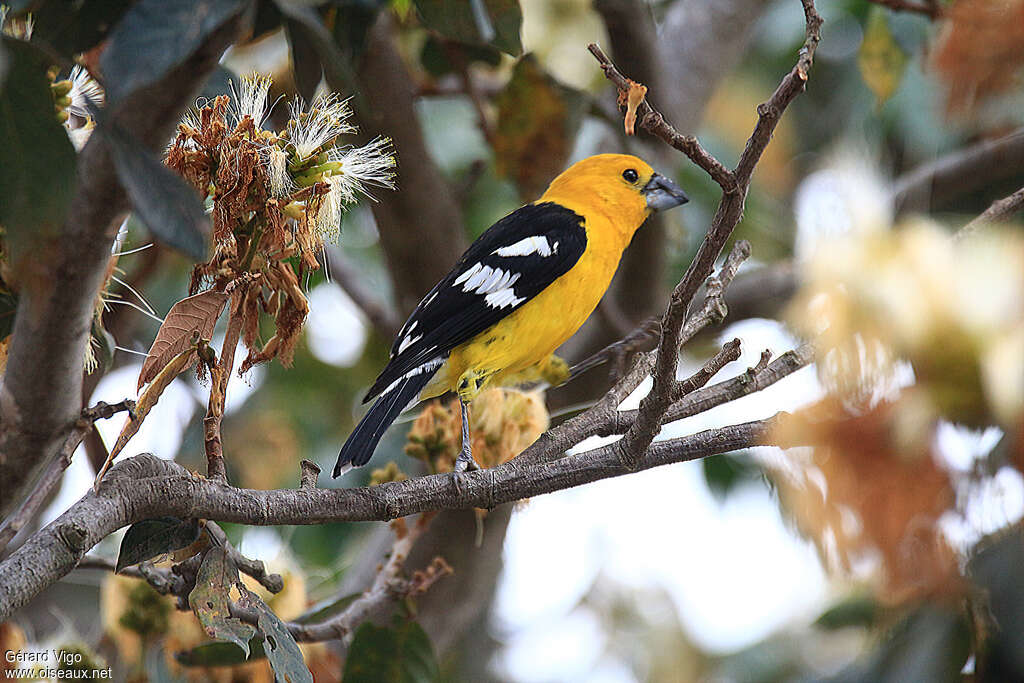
<point>363,440</point>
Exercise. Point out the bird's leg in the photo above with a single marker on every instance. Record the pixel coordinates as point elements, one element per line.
<point>470,384</point>
<point>465,460</point>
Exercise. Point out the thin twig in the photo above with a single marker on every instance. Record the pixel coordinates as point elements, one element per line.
<point>254,568</point>
<point>1000,211</point>
<point>163,581</point>
<point>653,122</point>
<point>755,379</point>
<point>221,375</point>
<point>388,586</point>
<point>734,187</point>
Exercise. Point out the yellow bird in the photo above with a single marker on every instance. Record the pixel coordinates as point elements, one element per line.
<point>520,290</point>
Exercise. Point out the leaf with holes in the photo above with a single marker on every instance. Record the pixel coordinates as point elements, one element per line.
<point>478,22</point>
<point>152,538</point>
<point>197,313</point>
<point>399,654</point>
<point>211,600</point>
<point>278,644</point>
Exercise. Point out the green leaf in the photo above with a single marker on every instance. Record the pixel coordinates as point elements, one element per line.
<point>37,160</point>
<point>168,206</point>
<point>154,537</point>
<point>477,22</point>
<point>280,647</point>
<point>306,25</point>
<point>537,123</point>
<point>210,600</point>
<point>398,654</point>
<point>70,28</point>
<point>858,610</point>
<point>725,472</point>
<point>881,60</point>
<point>155,36</point>
<point>221,654</point>
<point>436,55</point>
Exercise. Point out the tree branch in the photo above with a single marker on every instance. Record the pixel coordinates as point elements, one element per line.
<point>735,185</point>
<point>145,487</point>
<point>1000,211</point>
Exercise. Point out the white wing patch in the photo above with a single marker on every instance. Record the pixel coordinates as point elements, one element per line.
<point>504,297</point>
<point>529,245</point>
<point>408,341</point>
<point>426,367</point>
<point>483,279</point>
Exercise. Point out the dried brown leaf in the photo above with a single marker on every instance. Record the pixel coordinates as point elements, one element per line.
<point>978,52</point>
<point>149,397</point>
<point>637,93</point>
<point>197,313</point>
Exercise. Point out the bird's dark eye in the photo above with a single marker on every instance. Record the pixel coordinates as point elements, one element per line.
<point>630,175</point>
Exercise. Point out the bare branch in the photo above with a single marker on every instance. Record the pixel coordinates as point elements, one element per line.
<point>145,486</point>
<point>388,586</point>
<point>654,123</point>
<point>1000,211</point>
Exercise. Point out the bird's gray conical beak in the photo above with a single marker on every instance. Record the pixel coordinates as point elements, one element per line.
<point>662,193</point>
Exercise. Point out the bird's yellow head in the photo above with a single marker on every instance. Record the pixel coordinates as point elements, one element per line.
<point>621,186</point>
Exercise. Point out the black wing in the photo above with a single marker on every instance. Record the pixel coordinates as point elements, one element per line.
<point>512,262</point>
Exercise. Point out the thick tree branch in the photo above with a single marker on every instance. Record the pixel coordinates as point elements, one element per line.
<point>40,396</point>
<point>145,487</point>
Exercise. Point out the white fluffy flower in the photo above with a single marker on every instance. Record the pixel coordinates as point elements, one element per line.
<point>370,165</point>
<point>250,98</point>
<point>324,121</point>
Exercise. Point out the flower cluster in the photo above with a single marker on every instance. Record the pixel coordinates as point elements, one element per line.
<point>275,197</point>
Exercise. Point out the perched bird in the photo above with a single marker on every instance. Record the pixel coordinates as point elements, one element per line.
<point>520,290</point>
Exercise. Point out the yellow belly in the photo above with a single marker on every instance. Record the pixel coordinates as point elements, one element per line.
<point>533,332</point>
